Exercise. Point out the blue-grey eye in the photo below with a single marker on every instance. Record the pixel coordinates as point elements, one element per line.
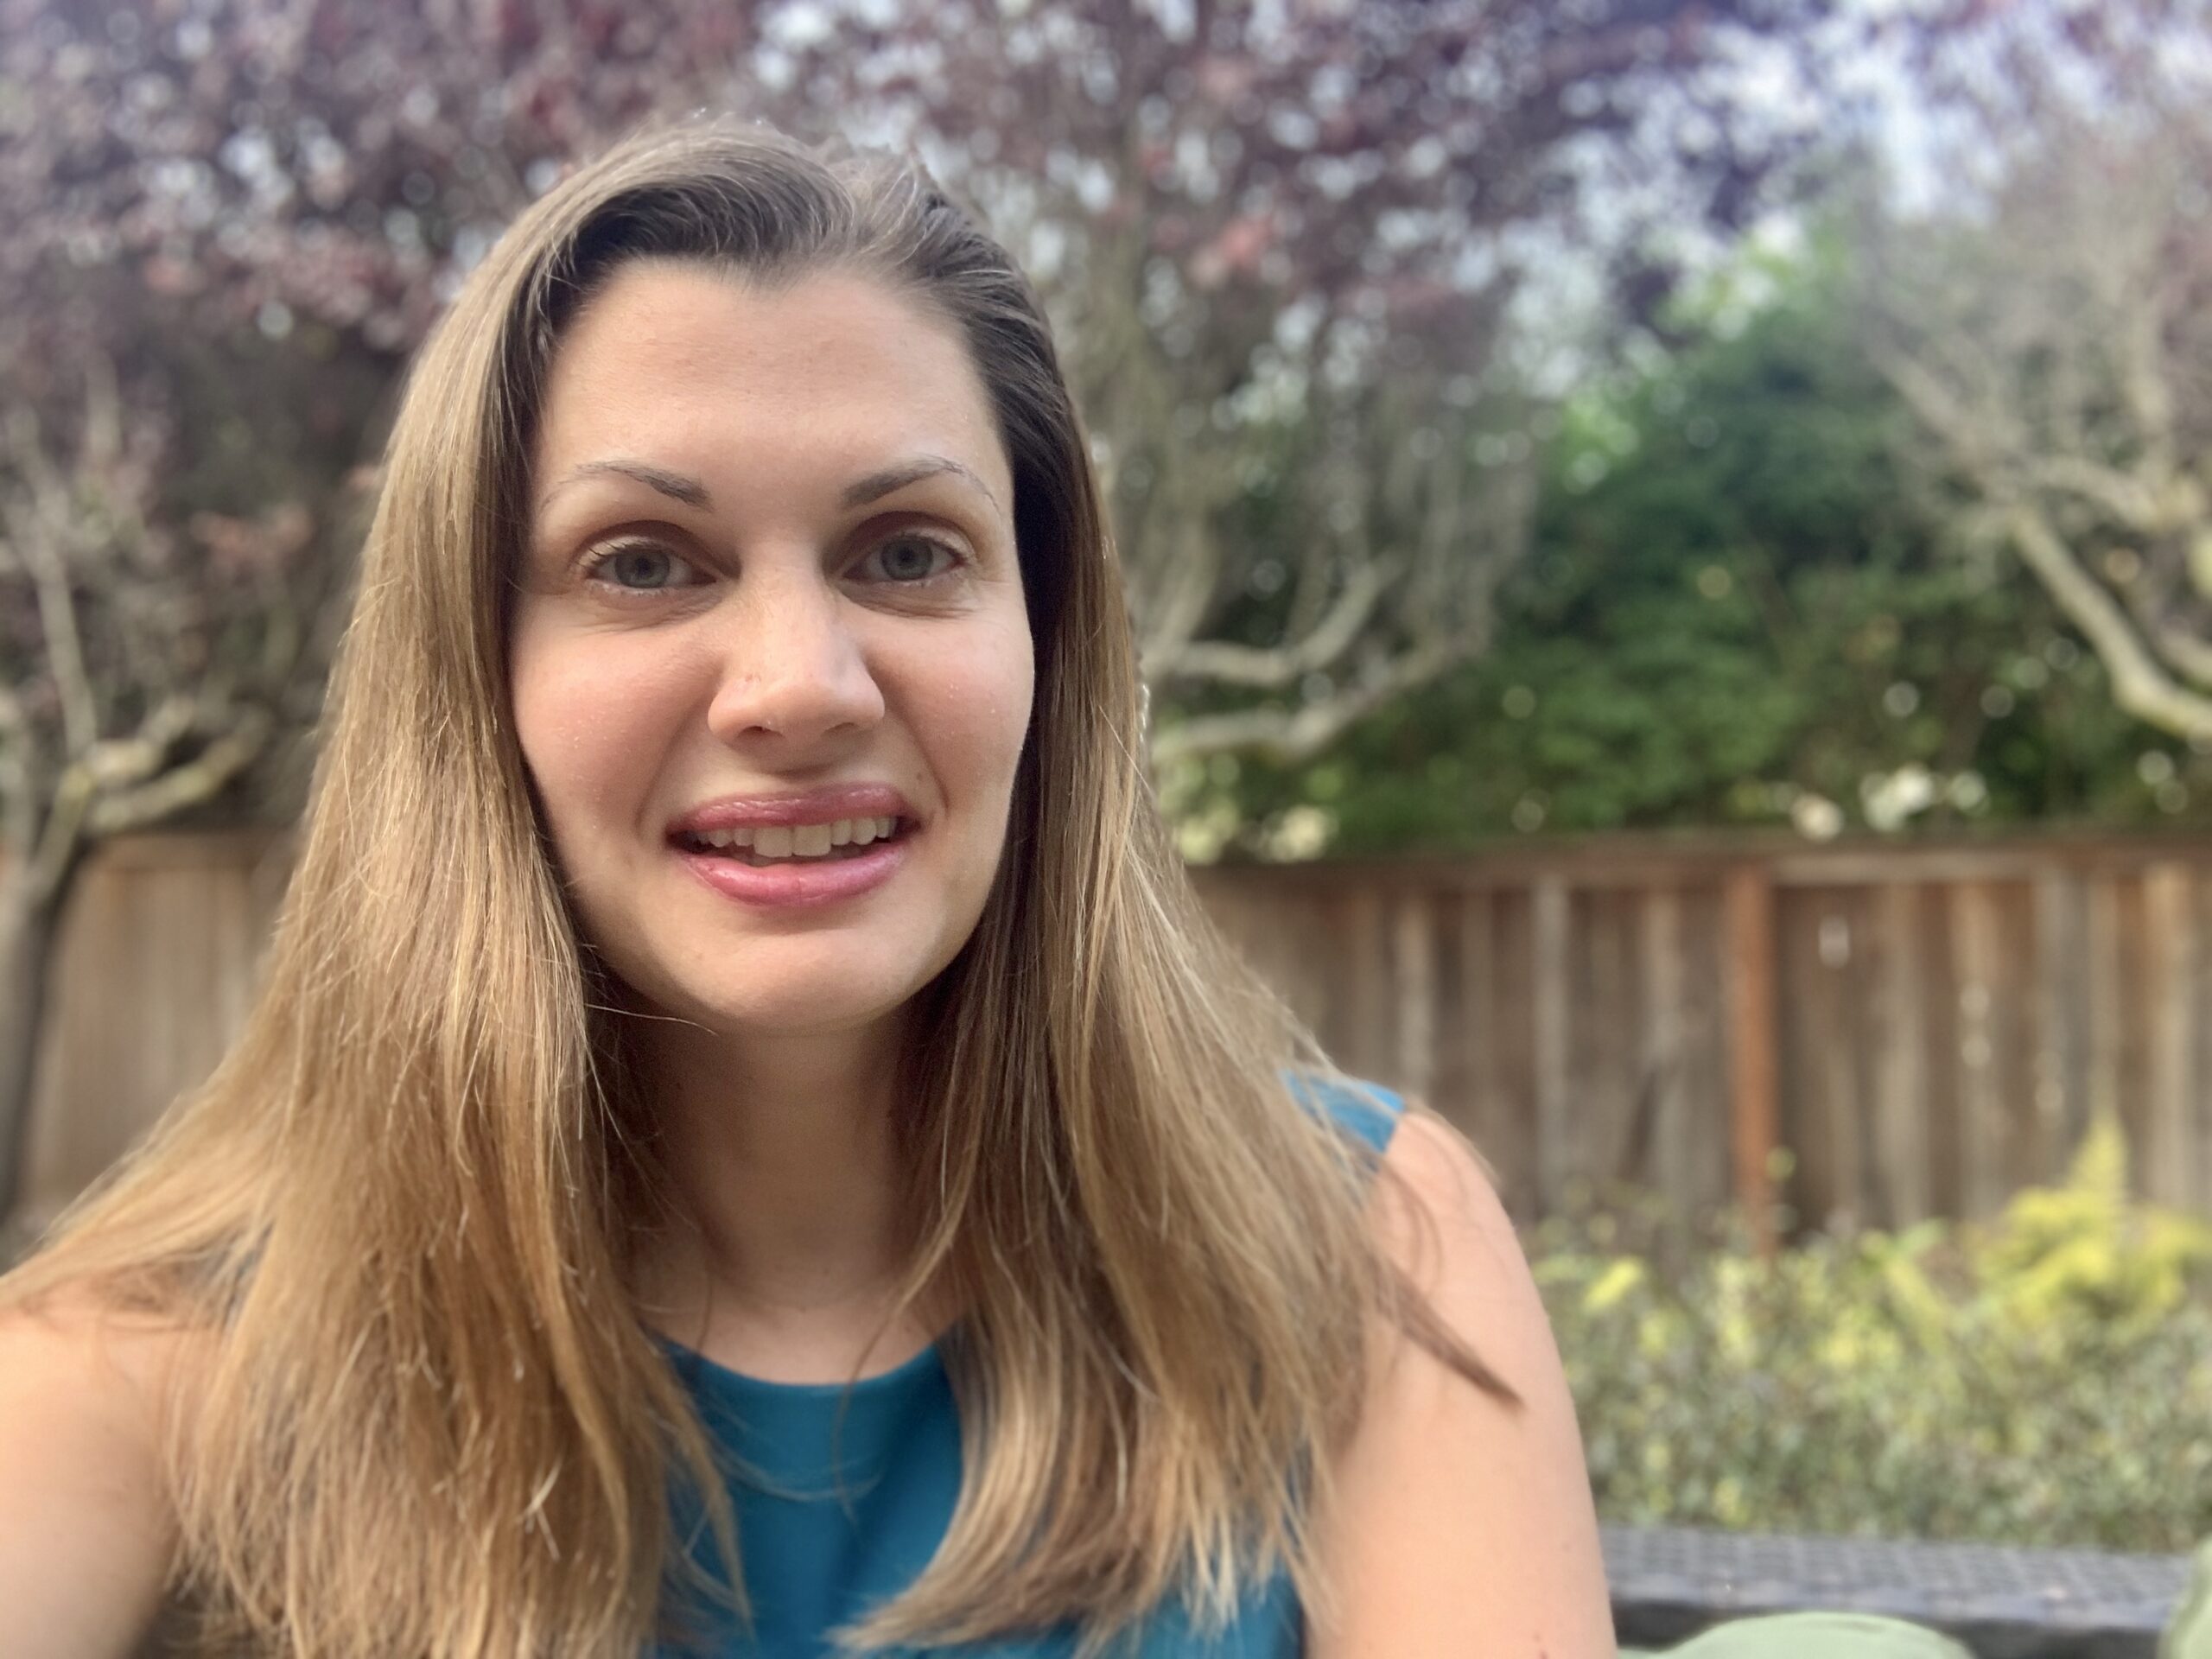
<point>912,558</point>
<point>639,564</point>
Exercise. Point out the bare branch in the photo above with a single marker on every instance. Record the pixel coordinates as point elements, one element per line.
<point>2140,686</point>
<point>1272,668</point>
<point>125,763</point>
<point>2131,501</point>
<point>193,784</point>
<point>1941,410</point>
<point>2185,653</point>
<point>38,528</point>
<point>1290,735</point>
<point>19,799</point>
<point>1179,615</point>
<point>2142,349</point>
<point>61,837</point>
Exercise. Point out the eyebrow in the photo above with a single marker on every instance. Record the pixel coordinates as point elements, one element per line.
<point>877,484</point>
<point>679,486</point>
<point>689,491</point>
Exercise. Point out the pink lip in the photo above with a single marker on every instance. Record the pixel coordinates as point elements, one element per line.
<point>824,805</point>
<point>800,884</point>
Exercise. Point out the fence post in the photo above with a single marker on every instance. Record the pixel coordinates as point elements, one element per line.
<point>1753,1113</point>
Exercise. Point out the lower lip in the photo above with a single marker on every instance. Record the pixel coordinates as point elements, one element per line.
<point>800,884</point>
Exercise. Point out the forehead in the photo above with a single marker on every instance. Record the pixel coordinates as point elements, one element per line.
<point>698,368</point>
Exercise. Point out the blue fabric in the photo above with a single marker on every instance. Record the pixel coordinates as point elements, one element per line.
<point>813,1562</point>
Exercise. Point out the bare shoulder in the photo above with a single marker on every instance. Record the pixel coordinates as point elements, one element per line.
<point>1456,1223</point>
<point>85,1556</point>
<point>1460,1522</point>
<point>72,1354</point>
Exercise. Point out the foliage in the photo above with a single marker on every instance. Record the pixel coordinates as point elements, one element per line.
<point>2044,1379</point>
<point>1741,606</point>
<point>2085,1252</point>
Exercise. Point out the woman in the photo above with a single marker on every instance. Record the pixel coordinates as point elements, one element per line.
<point>748,1138</point>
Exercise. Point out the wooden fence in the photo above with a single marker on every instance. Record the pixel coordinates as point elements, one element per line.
<point>1926,1029</point>
<point>155,971</point>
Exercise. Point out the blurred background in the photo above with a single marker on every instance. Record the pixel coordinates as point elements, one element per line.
<point>1671,542</point>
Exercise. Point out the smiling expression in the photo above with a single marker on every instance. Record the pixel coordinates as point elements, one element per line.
<point>771,550</point>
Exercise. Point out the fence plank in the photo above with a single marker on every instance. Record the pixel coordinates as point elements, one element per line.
<point>1900,1102</point>
<point>2105,1002</point>
<point>2061,1087</point>
<point>1604,1094</point>
<point>1981,1111</point>
<point>1512,1000</point>
<point>1706,1074</point>
<point>2170,950</point>
<point>1754,1112</point>
<point>1412,955</point>
<point>1664,1069</point>
<point>1549,990</point>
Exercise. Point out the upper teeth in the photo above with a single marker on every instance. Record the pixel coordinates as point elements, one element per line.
<point>799,840</point>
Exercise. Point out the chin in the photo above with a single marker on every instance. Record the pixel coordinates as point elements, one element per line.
<point>768,999</point>
<point>783,1017</point>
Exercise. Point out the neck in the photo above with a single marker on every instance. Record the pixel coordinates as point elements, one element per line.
<point>787,1187</point>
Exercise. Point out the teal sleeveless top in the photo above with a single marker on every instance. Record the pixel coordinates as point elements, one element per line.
<point>815,1559</point>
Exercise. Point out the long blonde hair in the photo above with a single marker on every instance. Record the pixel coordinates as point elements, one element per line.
<point>431,1420</point>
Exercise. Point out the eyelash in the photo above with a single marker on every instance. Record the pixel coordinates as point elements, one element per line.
<point>597,564</point>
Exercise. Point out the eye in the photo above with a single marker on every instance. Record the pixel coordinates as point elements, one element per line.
<point>912,559</point>
<point>639,566</point>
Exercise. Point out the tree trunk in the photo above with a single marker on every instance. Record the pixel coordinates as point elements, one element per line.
<point>30,921</point>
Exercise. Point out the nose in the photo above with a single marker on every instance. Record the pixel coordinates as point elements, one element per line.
<point>793,674</point>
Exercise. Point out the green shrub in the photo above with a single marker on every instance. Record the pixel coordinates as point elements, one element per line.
<point>2045,1379</point>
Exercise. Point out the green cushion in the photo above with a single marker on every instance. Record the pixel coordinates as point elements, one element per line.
<point>2189,1636</point>
<point>1817,1636</point>
<point>1854,1636</point>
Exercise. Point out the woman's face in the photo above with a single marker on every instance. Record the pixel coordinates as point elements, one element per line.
<point>771,557</point>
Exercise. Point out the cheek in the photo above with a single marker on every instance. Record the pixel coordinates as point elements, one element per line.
<point>975,716</point>
<point>587,720</point>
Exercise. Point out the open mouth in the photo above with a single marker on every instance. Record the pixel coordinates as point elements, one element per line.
<point>766,846</point>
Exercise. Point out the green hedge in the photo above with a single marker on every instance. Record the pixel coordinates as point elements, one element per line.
<point>2043,1380</point>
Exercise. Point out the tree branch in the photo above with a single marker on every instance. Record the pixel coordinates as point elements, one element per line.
<point>61,838</point>
<point>2134,503</point>
<point>36,532</point>
<point>193,784</point>
<point>18,776</point>
<point>2186,653</point>
<point>1940,411</point>
<point>2139,685</point>
<point>1271,668</point>
<point>126,762</point>
<point>1290,735</point>
<point>2142,375</point>
<point>1178,617</point>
